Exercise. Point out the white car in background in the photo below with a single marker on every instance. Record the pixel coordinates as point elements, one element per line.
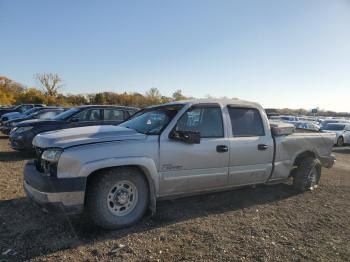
<point>334,121</point>
<point>287,119</point>
<point>342,131</point>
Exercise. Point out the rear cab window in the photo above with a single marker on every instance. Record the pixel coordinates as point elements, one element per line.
<point>246,122</point>
<point>113,114</point>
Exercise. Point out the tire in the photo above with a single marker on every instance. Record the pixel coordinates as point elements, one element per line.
<point>307,175</point>
<point>340,141</point>
<point>117,197</point>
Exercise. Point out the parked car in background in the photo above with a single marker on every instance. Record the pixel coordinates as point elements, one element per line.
<point>287,119</point>
<point>22,134</point>
<point>342,131</point>
<point>42,113</point>
<point>306,125</point>
<point>116,173</point>
<point>20,108</point>
<point>334,121</point>
<point>13,115</point>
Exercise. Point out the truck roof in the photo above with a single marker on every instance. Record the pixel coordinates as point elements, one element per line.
<point>220,101</point>
<point>107,106</point>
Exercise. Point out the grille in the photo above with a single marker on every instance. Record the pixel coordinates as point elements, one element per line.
<point>38,161</point>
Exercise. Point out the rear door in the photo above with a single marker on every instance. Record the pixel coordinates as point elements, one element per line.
<point>251,147</point>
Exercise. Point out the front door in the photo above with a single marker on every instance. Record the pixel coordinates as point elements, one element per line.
<point>187,168</point>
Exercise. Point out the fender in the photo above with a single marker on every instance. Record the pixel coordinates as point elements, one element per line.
<point>147,165</point>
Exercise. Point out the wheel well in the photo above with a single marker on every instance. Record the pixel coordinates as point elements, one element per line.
<point>302,156</point>
<point>96,173</point>
<point>299,159</point>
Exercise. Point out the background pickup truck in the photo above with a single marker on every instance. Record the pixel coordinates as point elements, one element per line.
<point>171,150</point>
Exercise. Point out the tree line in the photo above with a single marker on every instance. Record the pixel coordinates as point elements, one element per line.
<point>51,84</point>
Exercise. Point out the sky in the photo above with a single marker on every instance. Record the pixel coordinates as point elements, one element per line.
<point>279,53</point>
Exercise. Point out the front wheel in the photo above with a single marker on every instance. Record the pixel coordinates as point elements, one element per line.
<point>117,198</point>
<point>307,175</point>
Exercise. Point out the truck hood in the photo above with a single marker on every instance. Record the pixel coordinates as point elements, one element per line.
<point>85,135</point>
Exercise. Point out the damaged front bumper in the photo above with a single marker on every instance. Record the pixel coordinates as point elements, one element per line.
<point>54,194</point>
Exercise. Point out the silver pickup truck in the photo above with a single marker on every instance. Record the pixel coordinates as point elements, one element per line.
<point>116,173</point>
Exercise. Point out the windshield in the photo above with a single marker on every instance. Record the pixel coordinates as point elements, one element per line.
<point>152,121</point>
<point>66,114</point>
<point>333,127</point>
<point>32,110</point>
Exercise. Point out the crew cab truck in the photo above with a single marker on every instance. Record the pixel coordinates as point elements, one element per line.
<point>181,148</point>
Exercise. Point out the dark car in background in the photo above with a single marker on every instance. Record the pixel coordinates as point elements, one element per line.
<point>13,115</point>
<point>22,134</point>
<point>20,108</point>
<point>38,113</point>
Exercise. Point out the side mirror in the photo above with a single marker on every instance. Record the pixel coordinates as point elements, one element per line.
<point>189,137</point>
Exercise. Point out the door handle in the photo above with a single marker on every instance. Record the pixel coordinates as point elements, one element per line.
<point>221,148</point>
<point>262,147</point>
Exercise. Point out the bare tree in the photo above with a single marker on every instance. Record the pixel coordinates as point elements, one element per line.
<point>50,83</point>
<point>153,95</point>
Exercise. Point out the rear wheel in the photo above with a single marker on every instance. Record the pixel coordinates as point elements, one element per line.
<point>117,198</point>
<point>307,175</point>
<point>340,141</point>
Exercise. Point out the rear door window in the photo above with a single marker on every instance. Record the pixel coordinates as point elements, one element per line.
<point>246,122</point>
<point>113,114</point>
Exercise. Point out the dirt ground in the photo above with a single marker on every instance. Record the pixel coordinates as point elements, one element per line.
<point>268,223</point>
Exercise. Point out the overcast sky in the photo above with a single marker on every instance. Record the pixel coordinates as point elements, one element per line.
<point>292,54</point>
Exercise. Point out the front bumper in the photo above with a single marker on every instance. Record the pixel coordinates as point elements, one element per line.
<point>54,194</point>
<point>327,161</point>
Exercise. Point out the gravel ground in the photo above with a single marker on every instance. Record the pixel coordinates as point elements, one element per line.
<point>266,223</point>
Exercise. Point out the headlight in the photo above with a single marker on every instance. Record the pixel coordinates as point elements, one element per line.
<point>12,123</point>
<point>52,154</point>
<point>23,129</point>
